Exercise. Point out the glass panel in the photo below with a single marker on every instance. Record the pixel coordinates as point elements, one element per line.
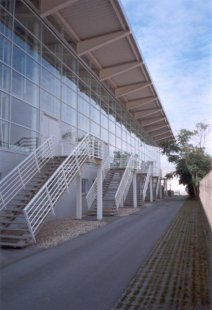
<point>50,62</point>
<point>24,89</point>
<point>25,65</point>
<point>112,139</point>
<point>84,91</point>
<point>112,127</point>
<point>95,129</point>
<point>23,139</point>
<point>118,131</point>
<point>4,106</point>
<point>5,50</point>
<point>83,106</point>
<point>69,78</point>
<point>50,104</point>
<point>50,83</point>
<point>24,114</point>
<point>27,41</point>
<point>83,122</point>
<point>70,61</point>
<point>69,133</point>
<point>4,134</point>
<point>69,96</point>
<point>28,19</point>
<point>69,115</point>
<point>5,23</point>
<point>95,114</point>
<point>104,134</point>
<point>8,4</point>
<point>104,121</point>
<point>118,143</point>
<point>4,77</point>
<point>51,42</point>
<point>84,75</point>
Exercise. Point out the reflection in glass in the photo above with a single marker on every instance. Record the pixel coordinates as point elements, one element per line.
<point>27,41</point>
<point>4,134</point>
<point>4,77</point>
<point>51,42</point>
<point>50,62</point>
<point>69,115</point>
<point>95,129</point>
<point>28,19</point>
<point>83,122</point>
<point>24,114</point>
<point>4,106</point>
<point>50,83</point>
<point>49,104</point>
<point>83,106</point>
<point>5,23</point>
<point>69,96</point>
<point>24,89</point>
<point>25,65</point>
<point>23,139</point>
<point>5,50</point>
<point>69,78</point>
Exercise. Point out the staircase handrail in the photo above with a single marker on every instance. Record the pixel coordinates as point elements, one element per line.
<point>149,173</point>
<point>125,182</point>
<point>17,179</point>
<point>92,193</point>
<point>45,199</point>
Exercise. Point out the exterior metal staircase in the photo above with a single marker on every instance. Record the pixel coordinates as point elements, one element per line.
<point>140,185</point>
<point>109,189</point>
<point>24,211</point>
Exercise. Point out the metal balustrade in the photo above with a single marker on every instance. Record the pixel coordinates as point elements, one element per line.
<point>25,171</point>
<point>44,201</point>
<point>125,181</point>
<point>92,193</point>
<point>149,174</point>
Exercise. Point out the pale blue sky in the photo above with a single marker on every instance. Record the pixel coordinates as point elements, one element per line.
<point>175,39</point>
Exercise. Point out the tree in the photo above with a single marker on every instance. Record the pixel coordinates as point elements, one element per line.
<point>187,152</point>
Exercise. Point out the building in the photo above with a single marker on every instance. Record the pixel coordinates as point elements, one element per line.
<point>69,68</point>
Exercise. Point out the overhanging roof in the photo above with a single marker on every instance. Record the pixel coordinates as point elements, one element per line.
<point>99,31</point>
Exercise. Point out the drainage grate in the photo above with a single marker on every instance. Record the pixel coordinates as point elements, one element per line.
<point>175,276</point>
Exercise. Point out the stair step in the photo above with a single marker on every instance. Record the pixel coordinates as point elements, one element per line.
<point>13,236</point>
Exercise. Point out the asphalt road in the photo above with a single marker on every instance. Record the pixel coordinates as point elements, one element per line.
<point>87,273</point>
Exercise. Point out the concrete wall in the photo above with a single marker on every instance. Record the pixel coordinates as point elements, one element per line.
<point>206,196</point>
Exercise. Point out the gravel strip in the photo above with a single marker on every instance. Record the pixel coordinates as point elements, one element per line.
<point>58,231</point>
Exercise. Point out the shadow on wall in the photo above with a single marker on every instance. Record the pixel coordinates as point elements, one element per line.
<point>206,196</point>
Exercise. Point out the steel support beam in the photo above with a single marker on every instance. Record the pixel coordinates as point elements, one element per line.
<point>89,45</point>
<point>79,197</point>
<point>141,115</point>
<point>163,138</point>
<point>48,7</point>
<point>128,89</point>
<point>109,72</point>
<point>99,192</point>
<point>157,128</point>
<point>149,122</point>
<point>133,104</point>
<point>160,134</point>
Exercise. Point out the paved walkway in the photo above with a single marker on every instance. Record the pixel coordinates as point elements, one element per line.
<point>175,275</point>
<point>88,273</point>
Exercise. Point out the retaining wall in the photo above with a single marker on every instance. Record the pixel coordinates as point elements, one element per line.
<point>206,196</point>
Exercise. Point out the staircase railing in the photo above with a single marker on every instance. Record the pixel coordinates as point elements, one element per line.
<point>92,193</point>
<point>25,171</point>
<point>146,183</point>
<point>126,180</point>
<point>45,199</point>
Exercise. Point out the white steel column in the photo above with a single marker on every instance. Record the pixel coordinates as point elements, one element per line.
<point>134,190</point>
<point>79,197</point>
<point>151,189</point>
<point>160,190</point>
<point>99,191</point>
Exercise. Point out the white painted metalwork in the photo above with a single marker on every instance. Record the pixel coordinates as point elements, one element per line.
<point>25,171</point>
<point>126,180</point>
<point>147,179</point>
<point>92,193</point>
<point>44,201</point>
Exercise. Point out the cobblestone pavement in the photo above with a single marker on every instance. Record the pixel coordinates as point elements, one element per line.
<point>176,273</point>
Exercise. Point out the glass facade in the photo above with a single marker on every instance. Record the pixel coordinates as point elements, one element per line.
<point>40,80</point>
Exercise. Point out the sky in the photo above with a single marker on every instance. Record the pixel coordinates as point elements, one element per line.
<point>175,40</point>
